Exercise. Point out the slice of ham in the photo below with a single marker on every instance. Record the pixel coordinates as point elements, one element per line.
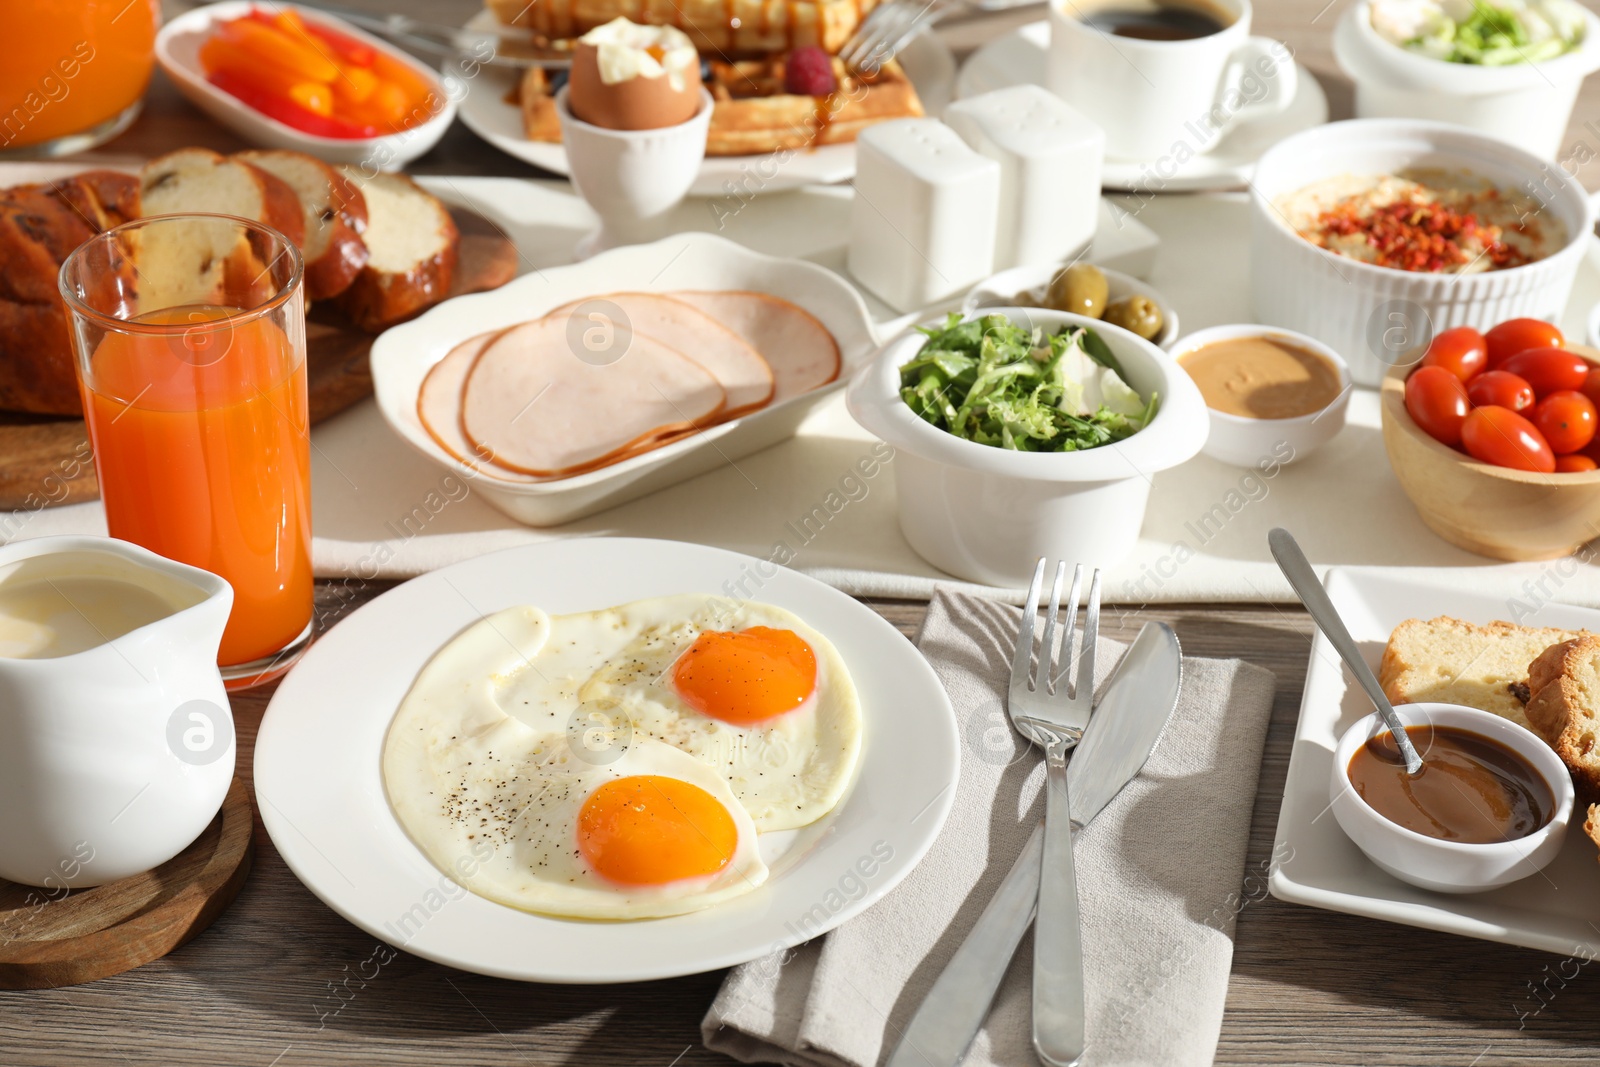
<point>531,405</point>
<point>734,362</point>
<point>802,353</point>
<point>439,411</point>
<point>439,407</point>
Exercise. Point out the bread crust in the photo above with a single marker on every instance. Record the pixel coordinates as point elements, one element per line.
<point>331,272</point>
<point>1562,709</point>
<point>40,225</point>
<point>378,299</point>
<point>280,206</point>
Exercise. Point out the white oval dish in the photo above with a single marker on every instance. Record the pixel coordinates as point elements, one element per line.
<point>178,48</point>
<point>986,514</point>
<point>403,355</point>
<point>1246,442</point>
<point>320,790</point>
<point>1526,104</point>
<point>1451,866</point>
<point>1358,308</point>
<point>999,291</point>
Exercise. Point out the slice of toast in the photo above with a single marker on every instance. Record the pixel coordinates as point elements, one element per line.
<point>334,213</point>
<point>412,249</point>
<point>1456,662</point>
<point>1564,707</point>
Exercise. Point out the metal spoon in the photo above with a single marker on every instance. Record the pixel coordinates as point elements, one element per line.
<point>1292,561</point>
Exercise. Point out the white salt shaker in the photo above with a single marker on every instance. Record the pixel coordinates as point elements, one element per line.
<point>923,224</point>
<point>1050,157</point>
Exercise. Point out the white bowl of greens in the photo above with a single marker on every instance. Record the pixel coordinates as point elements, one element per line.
<point>1025,433</point>
<point>1507,68</point>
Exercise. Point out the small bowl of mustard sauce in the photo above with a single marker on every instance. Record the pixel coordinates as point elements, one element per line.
<point>1490,806</point>
<point>1273,395</point>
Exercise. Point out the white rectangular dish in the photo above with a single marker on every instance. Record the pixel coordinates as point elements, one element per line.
<point>402,357</point>
<point>1557,910</point>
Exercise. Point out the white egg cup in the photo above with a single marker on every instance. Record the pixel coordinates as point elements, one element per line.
<point>631,178</point>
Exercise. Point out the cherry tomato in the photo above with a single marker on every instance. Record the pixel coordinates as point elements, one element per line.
<point>1591,386</point>
<point>1519,335</point>
<point>1461,351</point>
<point>1567,420</point>
<point>1575,463</point>
<point>1438,403</point>
<point>1548,370</point>
<point>1506,439</point>
<point>1496,388</point>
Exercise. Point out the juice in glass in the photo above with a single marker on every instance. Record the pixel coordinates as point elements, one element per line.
<point>74,71</point>
<point>198,416</point>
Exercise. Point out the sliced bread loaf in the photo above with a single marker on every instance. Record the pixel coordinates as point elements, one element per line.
<point>412,247</point>
<point>334,214</point>
<point>1456,662</point>
<point>202,261</point>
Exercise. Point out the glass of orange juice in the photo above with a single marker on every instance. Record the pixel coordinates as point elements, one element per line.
<point>191,344</point>
<point>74,72</point>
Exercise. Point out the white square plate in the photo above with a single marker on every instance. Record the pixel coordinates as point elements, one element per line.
<point>1557,910</point>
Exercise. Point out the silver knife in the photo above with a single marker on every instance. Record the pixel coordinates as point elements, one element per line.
<point>1122,732</point>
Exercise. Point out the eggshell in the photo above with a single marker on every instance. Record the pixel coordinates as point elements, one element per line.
<point>636,104</point>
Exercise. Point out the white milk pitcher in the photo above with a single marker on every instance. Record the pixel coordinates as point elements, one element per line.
<point>116,740</point>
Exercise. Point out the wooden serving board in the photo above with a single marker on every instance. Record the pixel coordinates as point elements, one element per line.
<point>44,460</point>
<point>50,939</point>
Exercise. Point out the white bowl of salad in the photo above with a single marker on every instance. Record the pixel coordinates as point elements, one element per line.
<point>1507,68</point>
<point>1022,433</point>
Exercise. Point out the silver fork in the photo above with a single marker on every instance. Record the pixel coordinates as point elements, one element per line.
<point>1044,710</point>
<point>888,27</point>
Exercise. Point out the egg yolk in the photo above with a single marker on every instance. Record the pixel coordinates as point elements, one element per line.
<point>748,676</point>
<point>648,829</point>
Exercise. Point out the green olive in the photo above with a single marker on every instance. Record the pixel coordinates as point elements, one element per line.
<point>1081,289</point>
<point>1138,314</point>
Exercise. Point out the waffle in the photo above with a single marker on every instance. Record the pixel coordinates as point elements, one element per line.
<point>717,27</point>
<point>752,114</point>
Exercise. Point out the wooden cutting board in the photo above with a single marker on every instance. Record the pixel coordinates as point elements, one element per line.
<point>56,938</point>
<point>44,460</point>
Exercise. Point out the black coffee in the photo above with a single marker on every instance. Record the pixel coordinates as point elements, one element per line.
<point>1166,22</point>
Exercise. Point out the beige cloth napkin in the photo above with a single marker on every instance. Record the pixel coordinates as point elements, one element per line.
<point>1159,874</point>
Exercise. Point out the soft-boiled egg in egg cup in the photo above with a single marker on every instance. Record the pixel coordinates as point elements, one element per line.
<point>631,77</point>
<point>747,689</point>
<point>640,831</point>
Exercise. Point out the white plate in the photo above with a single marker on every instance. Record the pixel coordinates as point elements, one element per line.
<point>178,52</point>
<point>402,356</point>
<point>1557,910</point>
<point>486,112</point>
<point>1019,57</point>
<point>321,796</point>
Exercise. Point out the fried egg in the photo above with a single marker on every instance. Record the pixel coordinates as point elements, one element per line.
<point>747,689</point>
<point>525,818</point>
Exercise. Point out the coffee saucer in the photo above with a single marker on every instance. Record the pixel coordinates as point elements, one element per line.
<point>1018,58</point>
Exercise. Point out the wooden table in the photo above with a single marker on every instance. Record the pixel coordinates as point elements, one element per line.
<point>277,981</point>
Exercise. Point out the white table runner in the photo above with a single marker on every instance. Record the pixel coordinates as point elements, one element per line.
<point>381,510</point>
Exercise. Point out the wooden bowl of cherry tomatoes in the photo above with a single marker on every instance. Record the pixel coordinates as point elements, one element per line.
<point>1494,438</point>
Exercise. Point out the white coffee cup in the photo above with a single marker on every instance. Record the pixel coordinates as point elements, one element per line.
<point>1166,97</point>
